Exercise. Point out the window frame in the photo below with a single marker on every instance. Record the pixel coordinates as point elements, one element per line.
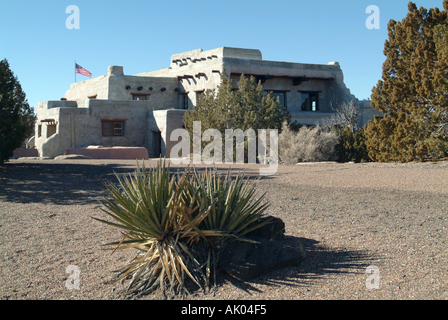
<point>146,95</point>
<point>285,105</point>
<point>184,101</point>
<point>316,93</point>
<point>198,94</point>
<point>113,122</point>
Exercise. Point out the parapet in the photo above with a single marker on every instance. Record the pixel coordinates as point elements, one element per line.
<point>115,71</point>
<point>223,52</point>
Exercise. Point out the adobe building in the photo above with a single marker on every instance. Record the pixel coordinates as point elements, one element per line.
<point>143,109</point>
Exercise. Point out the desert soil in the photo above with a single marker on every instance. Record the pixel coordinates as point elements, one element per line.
<point>347,217</point>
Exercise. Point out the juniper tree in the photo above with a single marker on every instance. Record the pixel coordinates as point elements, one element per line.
<point>413,92</point>
<point>16,117</point>
<point>248,107</point>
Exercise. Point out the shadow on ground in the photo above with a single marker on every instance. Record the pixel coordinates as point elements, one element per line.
<point>70,183</point>
<point>319,262</point>
<point>55,183</point>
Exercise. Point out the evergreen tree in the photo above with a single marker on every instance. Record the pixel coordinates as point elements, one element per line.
<point>413,92</point>
<point>16,117</point>
<point>248,107</point>
<point>351,146</point>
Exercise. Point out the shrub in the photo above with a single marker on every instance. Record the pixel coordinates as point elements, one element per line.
<point>307,145</point>
<point>352,145</point>
<point>164,216</point>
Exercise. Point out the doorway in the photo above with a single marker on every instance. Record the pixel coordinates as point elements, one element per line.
<point>157,143</point>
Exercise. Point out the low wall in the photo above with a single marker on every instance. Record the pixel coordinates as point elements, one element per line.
<point>22,152</point>
<point>111,153</point>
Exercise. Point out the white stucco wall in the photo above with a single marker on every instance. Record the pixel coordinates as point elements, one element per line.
<point>77,121</point>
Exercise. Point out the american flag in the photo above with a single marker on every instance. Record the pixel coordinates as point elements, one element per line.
<point>81,70</point>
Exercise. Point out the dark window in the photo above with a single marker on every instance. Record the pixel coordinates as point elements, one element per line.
<point>112,128</point>
<point>51,130</point>
<point>185,101</point>
<point>310,101</point>
<point>138,96</point>
<point>198,95</point>
<point>157,143</point>
<point>282,96</point>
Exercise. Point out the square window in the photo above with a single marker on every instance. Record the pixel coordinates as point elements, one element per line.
<point>310,101</point>
<point>282,96</point>
<point>113,128</point>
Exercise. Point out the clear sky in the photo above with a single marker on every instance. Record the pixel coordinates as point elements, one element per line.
<point>141,35</point>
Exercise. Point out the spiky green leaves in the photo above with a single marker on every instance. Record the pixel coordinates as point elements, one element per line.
<point>165,215</point>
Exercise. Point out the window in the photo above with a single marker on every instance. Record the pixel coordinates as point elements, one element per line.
<point>39,130</point>
<point>139,96</point>
<point>282,96</point>
<point>113,127</point>
<point>198,95</point>
<point>51,129</point>
<point>310,101</point>
<point>184,101</point>
<point>118,128</point>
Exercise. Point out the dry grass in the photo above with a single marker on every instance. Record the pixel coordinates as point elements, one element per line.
<point>306,145</point>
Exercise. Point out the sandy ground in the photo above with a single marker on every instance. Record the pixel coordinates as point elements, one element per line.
<point>347,216</point>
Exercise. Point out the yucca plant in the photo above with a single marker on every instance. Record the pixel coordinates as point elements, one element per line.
<point>232,210</point>
<point>165,216</point>
<point>150,207</point>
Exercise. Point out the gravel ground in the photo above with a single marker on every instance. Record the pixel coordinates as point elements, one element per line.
<point>346,216</point>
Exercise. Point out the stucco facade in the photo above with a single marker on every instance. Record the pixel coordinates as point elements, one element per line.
<point>142,110</point>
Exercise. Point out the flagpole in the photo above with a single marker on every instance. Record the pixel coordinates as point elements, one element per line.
<point>75,71</point>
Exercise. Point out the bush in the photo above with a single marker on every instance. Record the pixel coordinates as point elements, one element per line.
<point>307,145</point>
<point>165,216</point>
<point>352,145</point>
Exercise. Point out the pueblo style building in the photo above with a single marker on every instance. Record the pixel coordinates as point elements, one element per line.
<point>142,110</point>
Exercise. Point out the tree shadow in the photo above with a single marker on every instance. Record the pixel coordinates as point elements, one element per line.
<point>75,183</point>
<point>69,183</point>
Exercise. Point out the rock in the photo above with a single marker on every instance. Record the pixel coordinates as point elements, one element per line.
<point>274,230</point>
<point>72,156</point>
<point>245,260</point>
<point>35,158</point>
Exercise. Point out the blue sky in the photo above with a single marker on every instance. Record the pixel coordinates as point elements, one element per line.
<point>141,35</point>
